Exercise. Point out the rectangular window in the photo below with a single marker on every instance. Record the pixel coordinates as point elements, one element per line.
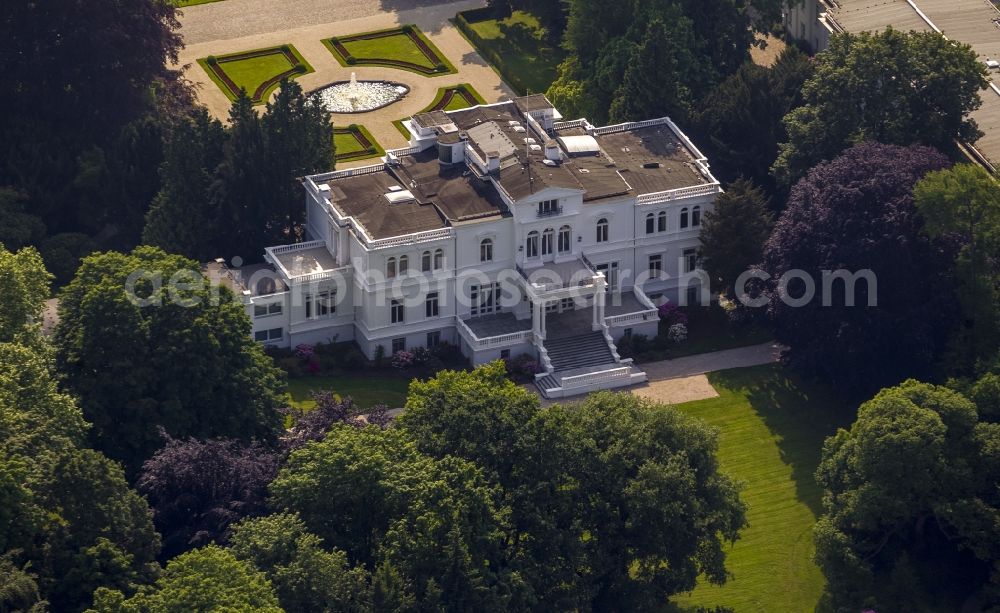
<point>661,222</point>
<point>431,305</point>
<point>396,313</point>
<point>321,304</point>
<point>266,310</point>
<point>690,259</point>
<point>655,265</point>
<point>610,271</point>
<point>650,223</point>
<point>398,344</point>
<point>274,334</point>
<point>485,299</point>
<point>627,333</point>
<point>548,207</point>
<point>566,304</point>
<point>433,339</point>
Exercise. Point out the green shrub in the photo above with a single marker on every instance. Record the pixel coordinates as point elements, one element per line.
<point>407,28</point>
<point>441,67</point>
<point>211,60</point>
<point>291,365</point>
<point>352,359</point>
<point>285,48</point>
<point>371,150</point>
<point>300,68</point>
<point>353,127</point>
<point>334,40</point>
<point>351,60</point>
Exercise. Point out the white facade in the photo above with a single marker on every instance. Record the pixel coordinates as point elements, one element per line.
<point>497,232</point>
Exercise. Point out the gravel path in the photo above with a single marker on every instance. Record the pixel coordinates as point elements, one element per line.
<point>683,379</point>
<point>239,18</point>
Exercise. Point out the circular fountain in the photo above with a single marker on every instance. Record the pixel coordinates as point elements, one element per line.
<point>360,96</point>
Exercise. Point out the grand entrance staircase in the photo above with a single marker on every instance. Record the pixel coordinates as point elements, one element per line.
<point>585,362</point>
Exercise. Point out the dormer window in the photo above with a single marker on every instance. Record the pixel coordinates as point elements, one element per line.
<point>548,207</point>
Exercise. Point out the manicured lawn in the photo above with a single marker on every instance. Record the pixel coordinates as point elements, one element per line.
<point>350,144</point>
<point>771,431</point>
<point>367,391</point>
<point>397,48</point>
<point>183,3</point>
<point>250,73</point>
<point>516,46</point>
<point>447,99</point>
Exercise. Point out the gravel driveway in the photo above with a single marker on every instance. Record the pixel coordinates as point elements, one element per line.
<point>240,18</point>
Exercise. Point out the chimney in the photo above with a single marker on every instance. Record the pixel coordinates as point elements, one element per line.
<point>492,161</point>
<point>552,151</point>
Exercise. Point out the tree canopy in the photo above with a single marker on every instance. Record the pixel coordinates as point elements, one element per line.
<point>183,362</point>
<point>964,202</point>
<point>911,505</point>
<point>206,579</point>
<point>733,234</point>
<point>856,214</point>
<point>892,87</point>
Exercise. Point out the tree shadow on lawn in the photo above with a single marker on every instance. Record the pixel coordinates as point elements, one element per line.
<point>800,414</point>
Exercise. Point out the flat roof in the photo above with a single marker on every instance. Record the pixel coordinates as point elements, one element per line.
<point>306,261</point>
<point>652,159</point>
<point>363,198</point>
<point>459,195</point>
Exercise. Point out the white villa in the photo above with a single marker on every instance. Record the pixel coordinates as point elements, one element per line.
<point>501,229</point>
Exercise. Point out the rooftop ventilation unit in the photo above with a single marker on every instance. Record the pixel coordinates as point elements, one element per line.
<point>535,147</point>
<point>550,162</point>
<point>519,128</point>
<point>395,188</point>
<point>652,165</point>
<point>530,141</point>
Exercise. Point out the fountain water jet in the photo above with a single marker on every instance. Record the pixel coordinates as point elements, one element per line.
<point>360,96</point>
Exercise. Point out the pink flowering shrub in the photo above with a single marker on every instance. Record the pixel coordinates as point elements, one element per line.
<point>402,359</point>
<point>305,351</point>
<point>672,314</point>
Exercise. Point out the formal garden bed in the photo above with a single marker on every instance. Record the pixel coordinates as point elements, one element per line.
<point>355,142</point>
<point>405,48</point>
<point>257,72</point>
<point>690,331</point>
<point>516,45</point>
<point>451,98</point>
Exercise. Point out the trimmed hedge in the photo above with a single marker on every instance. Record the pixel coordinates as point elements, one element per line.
<point>463,21</point>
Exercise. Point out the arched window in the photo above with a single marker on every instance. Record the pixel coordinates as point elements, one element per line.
<point>564,237</point>
<point>650,223</point>
<point>531,245</point>
<point>425,261</point>
<point>486,250</point>
<point>438,259</point>
<point>404,263</point>
<point>602,230</point>
<point>696,216</point>
<point>390,267</point>
<point>661,221</point>
<point>684,218</point>
<point>547,237</point>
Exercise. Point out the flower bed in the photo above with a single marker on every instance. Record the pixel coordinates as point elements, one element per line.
<point>392,47</point>
<point>253,62</point>
<point>363,146</point>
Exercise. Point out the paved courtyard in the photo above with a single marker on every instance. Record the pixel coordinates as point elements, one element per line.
<point>240,25</point>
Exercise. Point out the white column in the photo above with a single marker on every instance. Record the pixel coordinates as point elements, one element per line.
<point>599,299</point>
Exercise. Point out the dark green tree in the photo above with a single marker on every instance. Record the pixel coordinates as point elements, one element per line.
<point>155,354</point>
<point>371,493</point>
<point>20,228</point>
<point>206,579</point>
<point>733,234</point>
<point>183,218</point>
<point>911,505</point>
<point>739,123</point>
<point>305,576</point>
<point>892,87</point>
<point>964,202</point>
<point>614,503</point>
<point>26,286</point>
